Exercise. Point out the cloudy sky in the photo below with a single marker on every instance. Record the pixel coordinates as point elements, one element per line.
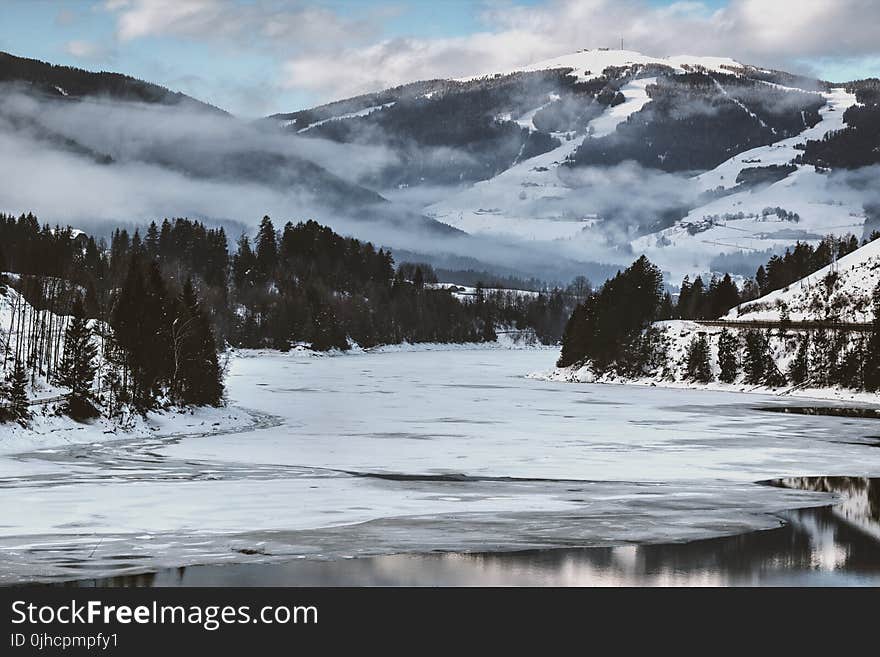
<point>255,57</point>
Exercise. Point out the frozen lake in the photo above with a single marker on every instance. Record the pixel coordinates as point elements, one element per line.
<point>415,452</point>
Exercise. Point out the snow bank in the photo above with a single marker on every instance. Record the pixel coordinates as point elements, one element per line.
<point>47,430</point>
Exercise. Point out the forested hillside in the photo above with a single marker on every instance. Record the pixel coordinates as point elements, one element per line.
<point>858,143</point>
<point>69,82</point>
<point>679,130</point>
<point>784,328</point>
<point>104,327</point>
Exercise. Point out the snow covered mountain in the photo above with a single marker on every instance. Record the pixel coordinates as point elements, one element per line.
<point>612,152</point>
<point>705,164</point>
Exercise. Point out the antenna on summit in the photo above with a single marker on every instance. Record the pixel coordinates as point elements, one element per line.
<point>621,43</point>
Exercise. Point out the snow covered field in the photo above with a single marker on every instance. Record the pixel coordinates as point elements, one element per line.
<point>413,451</point>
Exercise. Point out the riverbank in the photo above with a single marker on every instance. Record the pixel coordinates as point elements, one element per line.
<point>48,430</point>
<point>584,374</point>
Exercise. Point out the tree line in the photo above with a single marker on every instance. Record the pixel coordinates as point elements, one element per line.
<point>696,300</point>
<point>107,324</point>
<point>306,284</point>
<point>613,329</point>
<point>158,305</point>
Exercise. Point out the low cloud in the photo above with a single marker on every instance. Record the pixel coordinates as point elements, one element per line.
<point>170,161</point>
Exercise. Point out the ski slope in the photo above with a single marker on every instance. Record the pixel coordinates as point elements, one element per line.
<point>529,200</point>
<point>737,222</point>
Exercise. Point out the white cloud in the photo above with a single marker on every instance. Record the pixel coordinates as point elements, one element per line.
<point>292,24</point>
<point>332,54</point>
<point>85,49</point>
<point>776,34</point>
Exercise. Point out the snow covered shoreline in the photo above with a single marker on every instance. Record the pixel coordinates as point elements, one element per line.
<point>585,375</point>
<point>52,431</point>
<point>48,430</point>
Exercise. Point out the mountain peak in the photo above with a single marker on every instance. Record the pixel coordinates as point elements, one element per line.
<point>588,64</point>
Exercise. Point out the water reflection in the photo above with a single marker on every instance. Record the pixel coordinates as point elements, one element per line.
<point>838,546</point>
<point>866,412</point>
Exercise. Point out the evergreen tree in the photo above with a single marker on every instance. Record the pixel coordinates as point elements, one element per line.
<point>78,367</point>
<point>151,241</point>
<point>799,368</point>
<point>819,357</point>
<point>684,298</point>
<point>267,250</point>
<point>142,328</point>
<point>667,308</point>
<point>759,365</point>
<point>761,280</point>
<point>698,367</point>
<point>728,356</point>
<point>872,349</point>
<point>602,329</point>
<point>724,295</point>
<point>16,392</point>
<point>197,377</point>
<point>696,301</point>
<point>244,264</point>
<point>757,352</point>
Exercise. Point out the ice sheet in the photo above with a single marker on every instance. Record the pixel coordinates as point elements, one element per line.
<point>412,452</point>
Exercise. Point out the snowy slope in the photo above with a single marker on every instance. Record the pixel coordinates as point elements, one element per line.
<point>351,115</point>
<point>841,292</point>
<point>635,97</point>
<point>782,152</point>
<point>846,296</point>
<point>737,222</point>
<point>529,200</point>
<point>678,335</point>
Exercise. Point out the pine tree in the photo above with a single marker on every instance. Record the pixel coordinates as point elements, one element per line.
<point>684,298</point>
<point>758,363</point>
<point>728,356</point>
<point>667,308</point>
<point>197,377</point>
<point>755,358</point>
<point>575,337</point>
<point>244,264</point>
<point>819,357</point>
<point>151,241</point>
<point>141,324</point>
<point>267,250</point>
<point>799,368</point>
<point>761,280</point>
<point>16,391</point>
<point>698,367</point>
<point>872,356</point>
<point>78,367</point>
